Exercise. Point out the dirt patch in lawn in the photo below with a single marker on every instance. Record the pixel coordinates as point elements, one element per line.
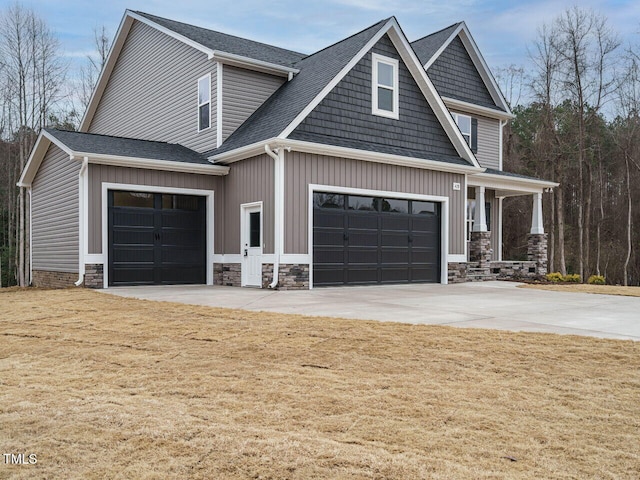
<point>583,288</point>
<point>99,386</point>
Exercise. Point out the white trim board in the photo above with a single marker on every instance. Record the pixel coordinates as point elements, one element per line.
<point>106,186</point>
<point>444,219</point>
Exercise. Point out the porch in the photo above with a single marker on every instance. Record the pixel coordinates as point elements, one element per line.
<point>485,195</point>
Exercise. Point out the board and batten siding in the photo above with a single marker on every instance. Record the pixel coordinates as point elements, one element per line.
<point>55,213</point>
<point>152,93</point>
<point>99,174</point>
<point>489,146</point>
<point>249,181</point>
<point>243,91</point>
<point>302,169</point>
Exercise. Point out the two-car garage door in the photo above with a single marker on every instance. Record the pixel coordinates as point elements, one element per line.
<point>156,238</point>
<point>360,240</point>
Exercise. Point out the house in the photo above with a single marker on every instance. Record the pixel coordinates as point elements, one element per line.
<point>210,159</point>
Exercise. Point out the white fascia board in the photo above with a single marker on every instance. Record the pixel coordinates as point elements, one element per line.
<point>431,94</point>
<point>509,186</point>
<point>435,56</point>
<point>482,67</point>
<point>44,140</point>
<point>344,152</point>
<point>325,91</point>
<point>453,103</point>
<point>152,164</point>
<point>112,57</point>
<point>252,64</point>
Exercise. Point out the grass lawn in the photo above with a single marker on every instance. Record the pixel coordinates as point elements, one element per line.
<point>585,288</point>
<point>99,386</point>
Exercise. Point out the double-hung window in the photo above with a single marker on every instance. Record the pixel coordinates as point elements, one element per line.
<point>385,86</point>
<point>468,128</point>
<point>204,102</point>
<point>464,124</point>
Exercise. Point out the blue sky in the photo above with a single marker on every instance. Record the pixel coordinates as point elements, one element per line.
<point>501,28</point>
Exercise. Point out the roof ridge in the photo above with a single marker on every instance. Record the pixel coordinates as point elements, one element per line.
<point>345,39</point>
<point>218,32</point>
<point>439,31</point>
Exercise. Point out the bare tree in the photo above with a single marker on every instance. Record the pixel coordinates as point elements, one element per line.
<point>90,72</point>
<point>34,74</point>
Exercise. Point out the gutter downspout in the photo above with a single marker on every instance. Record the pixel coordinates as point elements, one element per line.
<point>278,174</point>
<point>82,210</point>
<point>503,123</point>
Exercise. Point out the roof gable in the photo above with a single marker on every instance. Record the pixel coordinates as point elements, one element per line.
<point>455,76</point>
<point>344,117</point>
<point>456,47</point>
<point>320,73</point>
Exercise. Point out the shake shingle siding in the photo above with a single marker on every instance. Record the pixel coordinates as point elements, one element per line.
<point>345,116</point>
<point>454,75</point>
<point>55,214</point>
<point>152,93</point>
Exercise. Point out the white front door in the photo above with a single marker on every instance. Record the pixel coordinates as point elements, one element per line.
<point>252,245</point>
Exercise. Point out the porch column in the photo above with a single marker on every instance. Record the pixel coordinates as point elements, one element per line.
<point>480,245</point>
<point>537,239</point>
<point>536,218</point>
<point>480,215</point>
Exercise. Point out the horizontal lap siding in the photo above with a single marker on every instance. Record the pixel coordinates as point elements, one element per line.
<point>153,92</point>
<point>55,213</point>
<point>489,146</point>
<point>243,91</point>
<point>302,169</point>
<point>249,180</point>
<point>157,178</point>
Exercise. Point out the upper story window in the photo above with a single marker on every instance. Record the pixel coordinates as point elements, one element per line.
<point>469,128</point>
<point>204,102</point>
<point>385,86</point>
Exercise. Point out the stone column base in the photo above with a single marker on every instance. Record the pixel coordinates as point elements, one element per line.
<point>537,252</point>
<point>480,248</point>
<point>94,275</point>
<point>49,279</point>
<point>227,274</point>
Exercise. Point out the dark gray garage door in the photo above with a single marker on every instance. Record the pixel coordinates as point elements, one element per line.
<point>367,240</point>
<point>156,238</point>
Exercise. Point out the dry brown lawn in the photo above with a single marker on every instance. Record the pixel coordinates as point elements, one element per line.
<point>584,288</point>
<point>99,386</point>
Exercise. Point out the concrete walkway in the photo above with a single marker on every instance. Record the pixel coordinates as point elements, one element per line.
<point>496,305</point>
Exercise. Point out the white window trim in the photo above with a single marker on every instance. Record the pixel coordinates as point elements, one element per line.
<point>208,75</point>
<point>375,60</point>
<point>444,219</point>
<point>455,118</point>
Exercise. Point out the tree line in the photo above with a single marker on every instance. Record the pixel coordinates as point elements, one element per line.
<point>576,122</point>
<point>580,128</point>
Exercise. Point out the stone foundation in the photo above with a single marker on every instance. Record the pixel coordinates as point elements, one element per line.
<point>537,252</point>
<point>480,248</point>
<point>47,279</point>
<point>293,277</point>
<point>94,275</point>
<point>227,274</point>
<point>457,272</point>
<point>267,274</point>
<point>514,270</point>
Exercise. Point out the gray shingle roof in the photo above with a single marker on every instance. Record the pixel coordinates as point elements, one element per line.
<point>426,47</point>
<point>316,71</point>
<point>127,147</point>
<point>229,43</point>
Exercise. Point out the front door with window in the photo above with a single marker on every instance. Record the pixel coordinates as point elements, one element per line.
<point>252,246</point>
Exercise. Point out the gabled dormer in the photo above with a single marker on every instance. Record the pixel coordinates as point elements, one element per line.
<point>172,82</point>
<point>462,78</point>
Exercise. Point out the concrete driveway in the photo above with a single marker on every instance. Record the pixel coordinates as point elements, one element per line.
<point>496,305</point>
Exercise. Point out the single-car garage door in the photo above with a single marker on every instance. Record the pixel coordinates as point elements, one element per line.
<point>156,238</point>
<point>361,240</point>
